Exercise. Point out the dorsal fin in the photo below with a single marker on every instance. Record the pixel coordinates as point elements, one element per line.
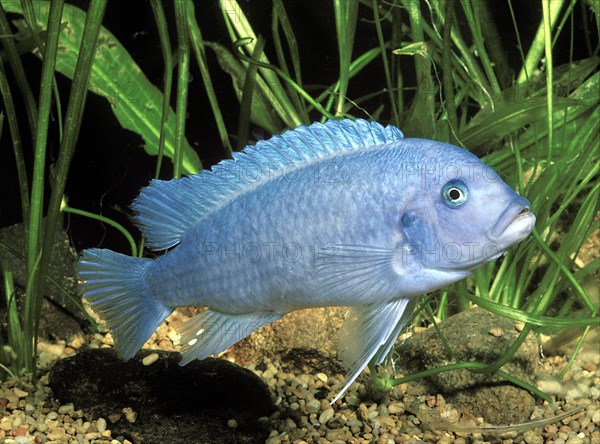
<point>165,210</point>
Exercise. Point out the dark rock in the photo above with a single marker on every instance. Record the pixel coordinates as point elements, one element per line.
<point>174,404</point>
<point>474,335</point>
<point>61,317</point>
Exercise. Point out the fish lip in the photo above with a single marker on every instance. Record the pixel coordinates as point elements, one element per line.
<point>517,219</point>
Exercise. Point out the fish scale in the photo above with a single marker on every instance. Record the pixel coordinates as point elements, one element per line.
<point>346,213</point>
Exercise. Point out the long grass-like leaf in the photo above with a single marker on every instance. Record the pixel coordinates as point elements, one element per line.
<point>198,47</point>
<point>35,231</point>
<point>183,70</point>
<point>74,113</point>
<point>534,55</point>
<point>268,82</point>
<point>17,144</point>
<point>280,18</point>
<point>346,12</point>
<point>165,46</point>
<point>12,54</point>
<point>136,102</point>
<point>247,94</point>
<point>386,65</point>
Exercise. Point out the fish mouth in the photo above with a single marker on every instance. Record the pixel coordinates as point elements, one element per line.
<point>515,223</point>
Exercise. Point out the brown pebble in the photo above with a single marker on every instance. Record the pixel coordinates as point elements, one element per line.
<point>19,431</point>
<point>324,404</point>
<point>114,417</point>
<point>590,367</point>
<point>431,401</point>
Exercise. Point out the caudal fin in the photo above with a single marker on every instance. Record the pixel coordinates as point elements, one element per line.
<point>116,287</point>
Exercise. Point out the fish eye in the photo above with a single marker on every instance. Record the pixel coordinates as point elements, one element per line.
<point>455,193</point>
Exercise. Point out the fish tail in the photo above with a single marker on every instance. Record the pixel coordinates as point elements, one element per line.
<point>117,289</point>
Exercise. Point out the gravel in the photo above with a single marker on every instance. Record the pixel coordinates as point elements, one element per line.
<point>30,414</point>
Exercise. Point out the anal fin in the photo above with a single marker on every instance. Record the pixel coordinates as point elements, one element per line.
<point>212,332</point>
<point>369,333</point>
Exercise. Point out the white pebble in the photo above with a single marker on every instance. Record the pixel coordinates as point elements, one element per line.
<point>101,424</point>
<point>150,359</point>
<point>496,332</point>
<point>321,377</point>
<point>550,386</point>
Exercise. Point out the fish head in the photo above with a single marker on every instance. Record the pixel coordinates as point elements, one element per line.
<point>465,215</point>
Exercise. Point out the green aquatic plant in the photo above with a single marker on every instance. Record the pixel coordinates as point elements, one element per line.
<point>39,236</point>
<point>445,77</point>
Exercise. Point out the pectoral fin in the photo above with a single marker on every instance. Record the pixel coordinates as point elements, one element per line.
<point>212,332</point>
<point>369,333</point>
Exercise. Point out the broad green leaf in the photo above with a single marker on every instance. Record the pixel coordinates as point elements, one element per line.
<point>135,101</point>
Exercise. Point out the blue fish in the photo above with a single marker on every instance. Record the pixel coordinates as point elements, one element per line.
<point>344,213</point>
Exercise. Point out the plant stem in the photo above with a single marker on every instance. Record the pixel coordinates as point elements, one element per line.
<point>165,46</point>
<point>183,68</point>
<point>73,118</point>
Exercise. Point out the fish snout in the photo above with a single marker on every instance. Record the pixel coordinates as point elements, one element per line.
<point>515,223</point>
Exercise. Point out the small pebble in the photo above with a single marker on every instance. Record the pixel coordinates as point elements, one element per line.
<point>313,406</point>
<point>65,409</point>
<point>130,414</point>
<point>336,435</point>
<point>101,424</point>
<point>20,393</point>
<point>150,359</point>
<point>19,431</point>
<point>496,332</point>
<point>57,434</point>
<point>533,437</point>
<point>326,416</point>
<point>322,377</point>
<point>114,417</point>
<point>550,386</point>
<point>396,408</point>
